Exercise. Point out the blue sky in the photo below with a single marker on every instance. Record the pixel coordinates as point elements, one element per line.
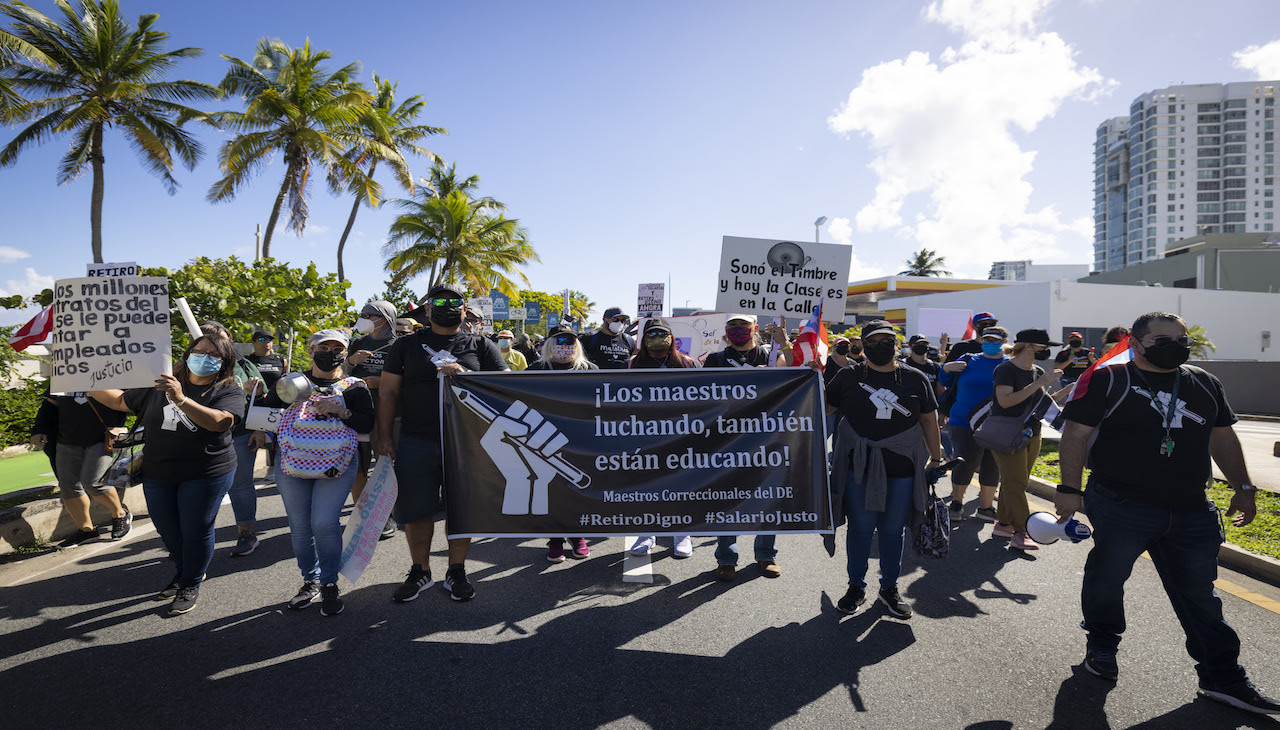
<point>628,138</point>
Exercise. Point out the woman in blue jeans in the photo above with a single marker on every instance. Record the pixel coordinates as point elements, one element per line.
<point>316,466</point>
<point>189,460</point>
<point>884,443</point>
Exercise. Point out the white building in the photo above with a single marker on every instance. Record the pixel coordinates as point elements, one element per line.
<point>1027,271</point>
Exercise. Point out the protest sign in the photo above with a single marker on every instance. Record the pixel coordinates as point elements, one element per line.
<point>773,278</point>
<point>616,452</point>
<point>501,304</point>
<point>932,323</point>
<point>119,269</point>
<point>482,306</point>
<point>368,517</point>
<point>697,335</point>
<point>109,333</point>
<point>649,301</point>
<point>261,418</point>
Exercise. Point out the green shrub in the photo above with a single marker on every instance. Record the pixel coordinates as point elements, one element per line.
<point>18,407</point>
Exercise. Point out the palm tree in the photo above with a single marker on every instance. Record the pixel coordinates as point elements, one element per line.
<point>1201,346</point>
<point>90,72</point>
<point>925,262</point>
<point>11,49</point>
<point>394,127</point>
<point>297,108</point>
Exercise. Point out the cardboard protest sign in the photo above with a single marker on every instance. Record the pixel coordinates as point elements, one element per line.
<point>109,333</point>
<point>769,277</point>
<point>616,452</point>
<point>649,300</point>
<point>364,526</point>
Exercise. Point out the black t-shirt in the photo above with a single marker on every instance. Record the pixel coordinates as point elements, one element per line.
<point>1015,377</point>
<point>271,366</point>
<point>928,367</point>
<point>756,357</point>
<point>1125,456</point>
<point>833,367</point>
<point>177,450</point>
<point>358,399</point>
<point>77,424</point>
<point>1073,362</point>
<point>608,352</point>
<point>879,405</point>
<point>962,348</point>
<point>419,404</point>
<point>548,365</point>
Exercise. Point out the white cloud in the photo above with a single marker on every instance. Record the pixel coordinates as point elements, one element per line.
<point>9,254</point>
<point>1263,61</point>
<point>317,228</point>
<point>841,231</point>
<point>949,128</point>
<point>34,283</point>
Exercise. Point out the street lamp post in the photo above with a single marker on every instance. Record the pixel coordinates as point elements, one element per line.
<point>817,225</point>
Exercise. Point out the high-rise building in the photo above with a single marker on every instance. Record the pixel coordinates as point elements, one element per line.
<point>1187,160</point>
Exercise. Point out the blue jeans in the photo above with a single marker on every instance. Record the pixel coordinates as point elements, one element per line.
<point>1183,545</point>
<point>244,498</point>
<point>314,509</point>
<point>727,549</point>
<point>891,524</point>
<point>184,513</point>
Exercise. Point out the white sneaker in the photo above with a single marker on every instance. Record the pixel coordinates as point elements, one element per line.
<point>642,546</point>
<point>684,546</point>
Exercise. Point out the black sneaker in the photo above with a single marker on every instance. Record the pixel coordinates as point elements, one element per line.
<point>246,543</point>
<point>330,604</point>
<point>388,530</point>
<point>894,604</point>
<point>78,537</point>
<point>309,592</point>
<point>456,583</point>
<point>417,581</point>
<point>957,511</point>
<point>1102,663</point>
<point>185,600</point>
<point>120,526</point>
<point>853,598</point>
<point>986,514</point>
<point>1245,697</point>
<point>170,591</point>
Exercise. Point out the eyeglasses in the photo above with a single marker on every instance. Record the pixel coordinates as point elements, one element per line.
<point>656,334</point>
<point>565,340</point>
<point>446,302</point>
<point>1161,341</point>
<point>322,347</point>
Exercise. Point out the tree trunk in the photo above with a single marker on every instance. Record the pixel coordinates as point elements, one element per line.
<point>95,201</point>
<point>351,221</point>
<point>275,211</point>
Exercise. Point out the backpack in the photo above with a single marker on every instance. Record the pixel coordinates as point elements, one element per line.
<point>313,445</point>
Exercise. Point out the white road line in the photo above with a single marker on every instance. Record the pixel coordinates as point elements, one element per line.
<point>635,568</point>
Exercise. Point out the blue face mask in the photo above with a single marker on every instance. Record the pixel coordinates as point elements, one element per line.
<point>202,365</point>
<point>992,348</point>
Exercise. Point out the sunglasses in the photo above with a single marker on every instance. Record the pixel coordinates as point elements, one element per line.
<point>264,339</point>
<point>329,348</point>
<point>446,302</point>
<point>1183,341</point>
<point>656,334</point>
<point>622,318</point>
<point>566,340</point>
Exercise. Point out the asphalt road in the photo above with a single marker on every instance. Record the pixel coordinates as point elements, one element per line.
<point>1258,439</point>
<point>994,643</point>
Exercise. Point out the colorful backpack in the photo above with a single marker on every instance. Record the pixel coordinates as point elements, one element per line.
<point>313,445</point>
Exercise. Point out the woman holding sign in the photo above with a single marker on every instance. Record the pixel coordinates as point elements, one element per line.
<point>189,460</point>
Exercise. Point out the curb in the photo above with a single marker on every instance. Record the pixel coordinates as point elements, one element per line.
<point>21,525</point>
<point>1235,558</point>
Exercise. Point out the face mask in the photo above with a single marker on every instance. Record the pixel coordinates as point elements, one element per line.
<point>364,325</point>
<point>562,353</point>
<point>1167,356</point>
<point>920,348</point>
<point>446,316</point>
<point>992,348</point>
<point>1042,354</point>
<point>881,353</point>
<point>327,360</point>
<point>614,327</point>
<point>738,335</point>
<point>660,346</point>
<point>504,343</point>
<point>1074,342</point>
<point>202,365</point>
<point>842,349</point>
<point>855,350</point>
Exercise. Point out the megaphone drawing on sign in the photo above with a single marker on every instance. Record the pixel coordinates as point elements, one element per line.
<point>1045,529</point>
<point>786,256</point>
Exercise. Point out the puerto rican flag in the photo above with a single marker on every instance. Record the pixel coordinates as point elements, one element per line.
<point>811,343</point>
<point>1118,355</point>
<point>34,331</point>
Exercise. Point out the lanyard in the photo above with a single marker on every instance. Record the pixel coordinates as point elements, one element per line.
<point>1167,413</point>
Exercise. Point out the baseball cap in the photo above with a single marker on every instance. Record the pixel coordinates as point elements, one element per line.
<point>996,332</point>
<point>447,288</point>
<point>560,329</point>
<point>657,323</point>
<point>1075,334</point>
<point>983,317</point>
<point>744,317</point>
<point>329,335</point>
<point>876,327</point>
<point>612,312</point>
<point>263,333</point>
<point>1034,336</point>
<point>918,338</point>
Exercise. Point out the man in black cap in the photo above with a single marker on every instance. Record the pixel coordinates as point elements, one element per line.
<point>609,347</point>
<point>269,364</point>
<point>410,382</point>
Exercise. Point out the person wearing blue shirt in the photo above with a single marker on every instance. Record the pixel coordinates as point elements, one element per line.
<point>974,376</point>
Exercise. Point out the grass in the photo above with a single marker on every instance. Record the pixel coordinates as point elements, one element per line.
<point>24,471</point>
<point>1261,536</point>
<point>39,546</point>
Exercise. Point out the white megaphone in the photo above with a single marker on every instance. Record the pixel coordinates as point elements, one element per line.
<point>1045,529</point>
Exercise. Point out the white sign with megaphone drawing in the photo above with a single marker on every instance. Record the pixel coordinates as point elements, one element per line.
<point>1045,529</point>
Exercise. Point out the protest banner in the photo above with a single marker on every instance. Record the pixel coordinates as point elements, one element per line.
<point>368,517</point>
<point>697,335</point>
<point>616,452</point>
<point>649,300</point>
<point>769,277</point>
<point>501,304</point>
<point>932,323</point>
<point>532,312</point>
<point>109,333</point>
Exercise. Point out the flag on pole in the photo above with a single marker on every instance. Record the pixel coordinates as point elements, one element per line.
<point>34,331</point>
<point>1118,355</point>
<point>811,343</point>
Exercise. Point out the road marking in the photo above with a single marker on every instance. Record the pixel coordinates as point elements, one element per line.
<point>1243,593</point>
<point>635,568</point>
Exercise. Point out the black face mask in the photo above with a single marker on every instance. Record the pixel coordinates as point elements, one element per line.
<point>920,348</point>
<point>881,353</point>
<point>842,349</point>
<point>1075,343</point>
<point>1042,354</point>
<point>855,350</point>
<point>1167,356</point>
<point>327,360</point>
<point>446,316</point>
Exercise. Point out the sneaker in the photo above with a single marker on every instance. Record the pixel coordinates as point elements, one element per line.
<point>853,598</point>
<point>555,550</point>
<point>388,530</point>
<point>726,573</point>
<point>309,591</point>
<point>246,543</point>
<point>580,548</point>
<point>120,526</point>
<point>986,514</point>
<point>330,603</point>
<point>456,583</point>
<point>642,546</point>
<point>684,546</point>
<point>1022,541</point>
<point>185,600</point>
<point>170,591</point>
<point>1245,697</point>
<point>894,604</point>
<point>78,537</point>
<point>957,511</point>
<point>1002,530</point>
<point>1102,663</point>
<point>769,568</point>
<point>417,581</point>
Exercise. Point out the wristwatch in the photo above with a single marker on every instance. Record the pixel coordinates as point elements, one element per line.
<point>1246,488</point>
